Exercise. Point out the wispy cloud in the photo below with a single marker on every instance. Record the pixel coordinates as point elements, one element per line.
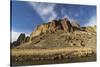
<point>91,22</point>
<point>15,35</point>
<point>45,10</point>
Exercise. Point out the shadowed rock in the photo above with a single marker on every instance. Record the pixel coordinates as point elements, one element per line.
<point>21,38</point>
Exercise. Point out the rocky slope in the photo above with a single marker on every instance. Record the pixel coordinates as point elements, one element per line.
<point>51,27</point>
<point>21,39</point>
<point>58,34</point>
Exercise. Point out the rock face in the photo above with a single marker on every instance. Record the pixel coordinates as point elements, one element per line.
<point>89,29</point>
<point>26,39</point>
<point>75,25</point>
<point>61,39</point>
<point>21,39</point>
<point>66,25</point>
<point>62,24</point>
<point>57,34</point>
<point>14,44</point>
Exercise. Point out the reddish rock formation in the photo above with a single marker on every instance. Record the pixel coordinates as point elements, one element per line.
<point>63,24</point>
<point>52,34</point>
<point>66,25</point>
<point>52,26</point>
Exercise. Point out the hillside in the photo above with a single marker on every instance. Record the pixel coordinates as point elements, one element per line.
<point>58,41</point>
<point>58,34</point>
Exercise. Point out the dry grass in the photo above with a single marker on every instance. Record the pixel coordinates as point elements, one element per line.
<point>44,52</point>
<point>37,56</point>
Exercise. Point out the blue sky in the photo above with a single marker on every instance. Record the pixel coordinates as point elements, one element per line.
<point>27,15</point>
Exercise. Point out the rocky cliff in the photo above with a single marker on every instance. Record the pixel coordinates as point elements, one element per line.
<point>21,39</point>
<point>57,34</point>
<point>61,24</point>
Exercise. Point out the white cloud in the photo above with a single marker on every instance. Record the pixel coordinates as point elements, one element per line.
<point>15,35</point>
<point>47,13</point>
<point>91,22</point>
<point>45,10</point>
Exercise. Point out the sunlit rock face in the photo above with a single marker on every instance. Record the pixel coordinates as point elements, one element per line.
<point>61,24</point>
<point>57,34</point>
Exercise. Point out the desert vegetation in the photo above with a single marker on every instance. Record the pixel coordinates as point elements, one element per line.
<point>21,55</point>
